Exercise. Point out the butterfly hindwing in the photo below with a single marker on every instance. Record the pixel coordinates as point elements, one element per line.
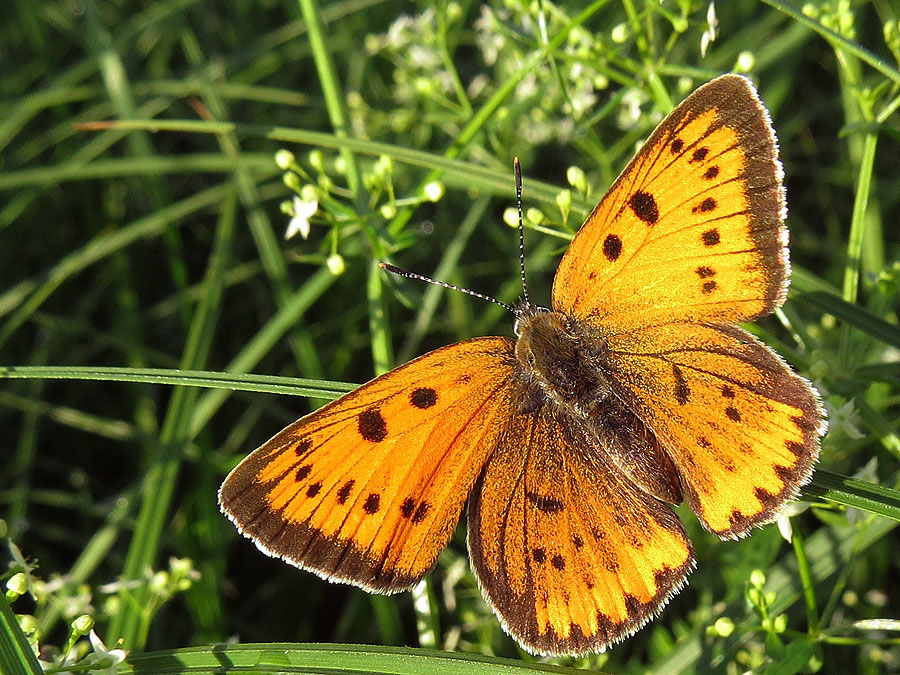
<point>693,228</point>
<point>367,490</point>
<point>569,552</point>
<point>740,426</point>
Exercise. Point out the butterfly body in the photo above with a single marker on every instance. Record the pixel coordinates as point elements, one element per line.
<point>637,390</point>
<point>561,361</point>
<point>564,369</point>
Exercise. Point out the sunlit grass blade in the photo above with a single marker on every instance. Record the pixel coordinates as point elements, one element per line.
<point>336,659</point>
<point>16,656</point>
<point>876,499</point>
<point>267,384</point>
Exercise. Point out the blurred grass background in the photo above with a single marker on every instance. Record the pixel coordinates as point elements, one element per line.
<point>137,250</point>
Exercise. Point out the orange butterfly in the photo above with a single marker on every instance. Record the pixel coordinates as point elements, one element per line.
<point>635,391</point>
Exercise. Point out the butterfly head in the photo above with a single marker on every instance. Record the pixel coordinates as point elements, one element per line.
<point>524,312</point>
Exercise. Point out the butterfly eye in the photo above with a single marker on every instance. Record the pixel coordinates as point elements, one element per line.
<point>517,328</point>
<point>527,312</point>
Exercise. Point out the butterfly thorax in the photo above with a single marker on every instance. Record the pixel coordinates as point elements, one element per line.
<point>562,360</point>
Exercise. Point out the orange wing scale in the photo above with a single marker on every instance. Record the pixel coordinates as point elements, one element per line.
<point>367,490</point>
<point>572,555</point>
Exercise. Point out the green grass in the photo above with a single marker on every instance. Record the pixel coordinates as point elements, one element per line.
<point>155,326</point>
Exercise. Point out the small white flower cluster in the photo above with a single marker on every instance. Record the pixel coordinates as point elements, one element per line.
<point>78,655</point>
<point>316,194</point>
<point>414,44</point>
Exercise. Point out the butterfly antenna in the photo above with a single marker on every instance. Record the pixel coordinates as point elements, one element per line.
<point>518,171</point>
<point>412,275</point>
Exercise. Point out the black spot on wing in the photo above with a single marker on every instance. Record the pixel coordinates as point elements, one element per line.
<point>710,237</point>
<point>545,503</point>
<point>372,503</point>
<point>423,397</point>
<point>421,512</point>
<point>344,492</point>
<point>612,247</point>
<point>372,426</point>
<point>302,447</point>
<point>414,511</point>
<point>707,205</point>
<point>644,206</point>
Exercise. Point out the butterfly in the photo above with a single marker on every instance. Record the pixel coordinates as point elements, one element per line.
<point>636,390</point>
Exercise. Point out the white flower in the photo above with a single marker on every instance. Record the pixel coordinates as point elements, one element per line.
<point>845,418</point>
<point>784,520</point>
<point>712,23</point>
<point>630,108</point>
<point>434,191</point>
<point>304,209</point>
<point>102,660</point>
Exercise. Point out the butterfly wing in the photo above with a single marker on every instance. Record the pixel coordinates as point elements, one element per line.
<point>368,489</point>
<point>570,553</point>
<point>688,239</point>
<point>741,427</point>
<point>693,228</point>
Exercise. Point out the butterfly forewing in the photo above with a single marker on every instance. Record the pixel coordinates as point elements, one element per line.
<point>741,427</point>
<point>367,490</point>
<point>570,553</point>
<point>692,230</point>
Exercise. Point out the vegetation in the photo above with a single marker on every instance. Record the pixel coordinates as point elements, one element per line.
<point>145,278</point>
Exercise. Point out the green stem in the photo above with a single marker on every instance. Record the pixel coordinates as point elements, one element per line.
<point>131,624</point>
<point>330,88</point>
<point>860,52</point>
<point>382,353</point>
<point>809,591</point>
